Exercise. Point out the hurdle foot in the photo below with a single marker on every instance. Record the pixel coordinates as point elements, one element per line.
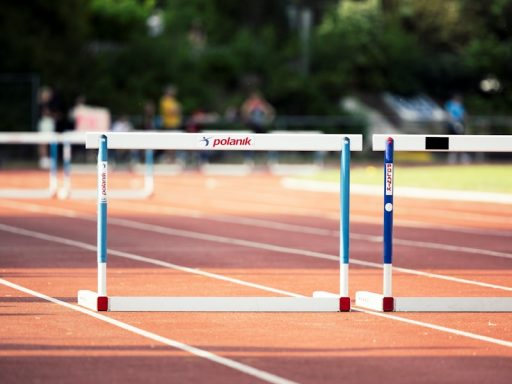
<point>91,300</point>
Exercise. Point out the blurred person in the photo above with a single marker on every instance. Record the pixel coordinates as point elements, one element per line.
<point>257,112</point>
<point>170,109</point>
<point>123,124</point>
<point>171,119</point>
<point>149,118</point>
<point>46,123</point>
<point>455,124</point>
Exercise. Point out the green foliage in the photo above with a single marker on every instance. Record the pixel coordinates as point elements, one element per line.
<point>212,49</point>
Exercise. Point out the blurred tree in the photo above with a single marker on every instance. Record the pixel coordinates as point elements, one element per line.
<point>212,49</point>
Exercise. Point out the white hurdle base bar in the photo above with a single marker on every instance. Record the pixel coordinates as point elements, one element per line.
<point>91,300</point>
<point>378,302</point>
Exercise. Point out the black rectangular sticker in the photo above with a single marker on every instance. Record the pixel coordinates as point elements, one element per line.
<point>437,143</point>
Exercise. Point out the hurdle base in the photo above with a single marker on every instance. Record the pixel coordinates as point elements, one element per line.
<point>28,193</point>
<point>378,302</point>
<point>91,300</point>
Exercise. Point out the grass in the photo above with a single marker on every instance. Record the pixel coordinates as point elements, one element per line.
<point>481,178</point>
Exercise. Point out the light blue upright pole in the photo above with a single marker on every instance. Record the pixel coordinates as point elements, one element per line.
<point>344,223</point>
<point>53,167</point>
<point>66,165</point>
<point>149,184</point>
<point>388,217</point>
<point>102,216</point>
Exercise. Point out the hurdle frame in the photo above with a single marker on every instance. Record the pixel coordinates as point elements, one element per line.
<point>318,302</point>
<point>33,138</point>
<point>67,192</point>
<point>386,302</point>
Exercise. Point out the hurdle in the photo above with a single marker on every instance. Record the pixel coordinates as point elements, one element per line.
<point>318,302</point>
<point>41,138</point>
<point>386,302</point>
<point>66,191</point>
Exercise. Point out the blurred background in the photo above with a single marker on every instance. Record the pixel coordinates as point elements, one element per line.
<point>359,66</point>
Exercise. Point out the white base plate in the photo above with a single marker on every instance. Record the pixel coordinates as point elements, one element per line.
<point>375,301</point>
<point>27,193</point>
<point>88,299</point>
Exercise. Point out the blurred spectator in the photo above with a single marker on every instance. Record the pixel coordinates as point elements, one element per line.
<point>171,118</point>
<point>170,109</point>
<point>149,118</point>
<point>123,124</point>
<point>456,115</point>
<point>46,122</point>
<point>257,113</point>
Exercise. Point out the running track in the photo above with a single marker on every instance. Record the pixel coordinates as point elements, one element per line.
<point>223,236</point>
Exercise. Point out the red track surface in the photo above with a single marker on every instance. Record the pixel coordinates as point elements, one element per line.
<point>42,341</point>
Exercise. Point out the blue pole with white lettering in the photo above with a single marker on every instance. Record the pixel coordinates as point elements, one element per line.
<point>388,216</point>
<point>102,216</point>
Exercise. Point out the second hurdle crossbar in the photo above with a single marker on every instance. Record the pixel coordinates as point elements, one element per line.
<point>319,302</point>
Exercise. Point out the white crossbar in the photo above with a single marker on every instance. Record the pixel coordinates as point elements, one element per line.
<point>212,304</point>
<point>445,143</point>
<point>28,138</point>
<point>224,141</point>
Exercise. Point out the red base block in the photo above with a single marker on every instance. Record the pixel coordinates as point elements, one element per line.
<point>102,303</point>
<point>388,304</point>
<point>344,304</point>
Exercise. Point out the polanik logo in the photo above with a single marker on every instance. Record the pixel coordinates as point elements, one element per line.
<point>225,142</point>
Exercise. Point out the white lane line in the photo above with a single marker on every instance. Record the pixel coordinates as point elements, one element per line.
<point>132,256</point>
<point>236,281</point>
<point>257,245</point>
<point>326,232</point>
<point>147,207</point>
<point>504,343</point>
<point>201,353</point>
<point>302,229</point>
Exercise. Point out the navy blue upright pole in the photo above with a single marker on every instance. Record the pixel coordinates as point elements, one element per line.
<point>388,217</point>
